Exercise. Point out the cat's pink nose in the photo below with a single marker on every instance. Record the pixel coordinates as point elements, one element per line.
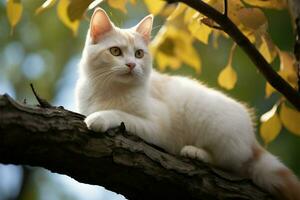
<point>130,65</point>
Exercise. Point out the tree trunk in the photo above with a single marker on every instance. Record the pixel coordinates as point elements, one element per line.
<point>59,140</point>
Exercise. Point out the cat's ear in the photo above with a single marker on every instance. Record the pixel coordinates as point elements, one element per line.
<point>145,27</point>
<point>100,24</point>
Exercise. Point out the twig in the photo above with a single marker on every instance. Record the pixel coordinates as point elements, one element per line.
<point>262,65</point>
<point>225,8</point>
<point>297,50</point>
<point>231,54</point>
<point>43,103</point>
<point>210,23</point>
<point>217,27</point>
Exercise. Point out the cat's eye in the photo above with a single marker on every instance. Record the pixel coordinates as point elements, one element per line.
<point>115,51</point>
<point>139,53</point>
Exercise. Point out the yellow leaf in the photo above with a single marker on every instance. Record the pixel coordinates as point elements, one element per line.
<point>62,12</point>
<point>176,44</point>
<point>190,15</point>
<point>199,30</point>
<point>288,68</point>
<point>290,119</point>
<point>133,2</point>
<point>77,8</point>
<point>270,125</point>
<point>267,49</point>
<point>179,10</point>
<point>118,4</point>
<point>47,4</point>
<point>227,78</point>
<point>185,51</point>
<point>269,90</point>
<point>164,60</point>
<point>275,4</point>
<point>287,61</point>
<point>252,18</point>
<point>155,6</point>
<point>167,10</point>
<point>287,71</point>
<point>14,11</point>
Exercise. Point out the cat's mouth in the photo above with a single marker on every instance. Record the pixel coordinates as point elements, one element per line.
<point>129,73</point>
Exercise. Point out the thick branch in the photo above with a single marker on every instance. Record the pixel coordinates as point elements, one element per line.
<point>58,140</point>
<point>260,62</point>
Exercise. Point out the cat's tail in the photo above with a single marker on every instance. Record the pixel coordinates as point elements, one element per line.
<point>269,173</point>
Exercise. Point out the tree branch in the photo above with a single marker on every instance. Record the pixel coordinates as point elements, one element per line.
<point>58,140</point>
<point>260,62</point>
<point>294,6</point>
<point>225,8</point>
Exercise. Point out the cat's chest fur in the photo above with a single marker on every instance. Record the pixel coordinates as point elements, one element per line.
<point>94,98</point>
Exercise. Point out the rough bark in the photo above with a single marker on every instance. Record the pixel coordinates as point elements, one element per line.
<point>59,140</point>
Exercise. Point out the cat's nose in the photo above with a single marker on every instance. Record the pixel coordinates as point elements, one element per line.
<point>130,65</point>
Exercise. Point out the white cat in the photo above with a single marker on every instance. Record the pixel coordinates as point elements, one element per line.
<point>117,84</point>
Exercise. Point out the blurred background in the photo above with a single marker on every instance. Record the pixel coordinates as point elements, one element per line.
<point>44,52</point>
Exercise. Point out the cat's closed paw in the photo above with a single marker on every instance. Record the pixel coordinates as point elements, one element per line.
<point>101,121</point>
<point>193,152</point>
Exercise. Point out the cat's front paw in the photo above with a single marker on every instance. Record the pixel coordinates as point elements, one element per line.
<point>101,121</point>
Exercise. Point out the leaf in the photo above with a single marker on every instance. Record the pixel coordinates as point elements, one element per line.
<point>118,4</point>
<point>47,4</point>
<point>269,90</point>
<point>270,125</point>
<point>77,8</point>
<point>176,44</point>
<point>190,15</point>
<point>167,10</point>
<point>14,10</point>
<point>185,51</point>
<point>164,60</point>
<point>199,30</point>
<point>62,12</point>
<point>274,4</point>
<point>227,78</point>
<point>290,119</point>
<point>179,10</point>
<point>252,18</point>
<point>288,68</point>
<point>267,49</point>
<point>287,71</point>
<point>154,6</point>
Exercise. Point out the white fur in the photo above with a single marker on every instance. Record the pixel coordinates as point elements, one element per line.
<point>264,170</point>
<point>176,113</point>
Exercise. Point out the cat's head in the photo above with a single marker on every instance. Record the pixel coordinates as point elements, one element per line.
<point>117,55</point>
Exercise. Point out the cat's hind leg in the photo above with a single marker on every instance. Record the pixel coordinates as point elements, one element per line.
<point>194,152</point>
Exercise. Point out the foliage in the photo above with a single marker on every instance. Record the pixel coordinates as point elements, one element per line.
<point>174,44</point>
